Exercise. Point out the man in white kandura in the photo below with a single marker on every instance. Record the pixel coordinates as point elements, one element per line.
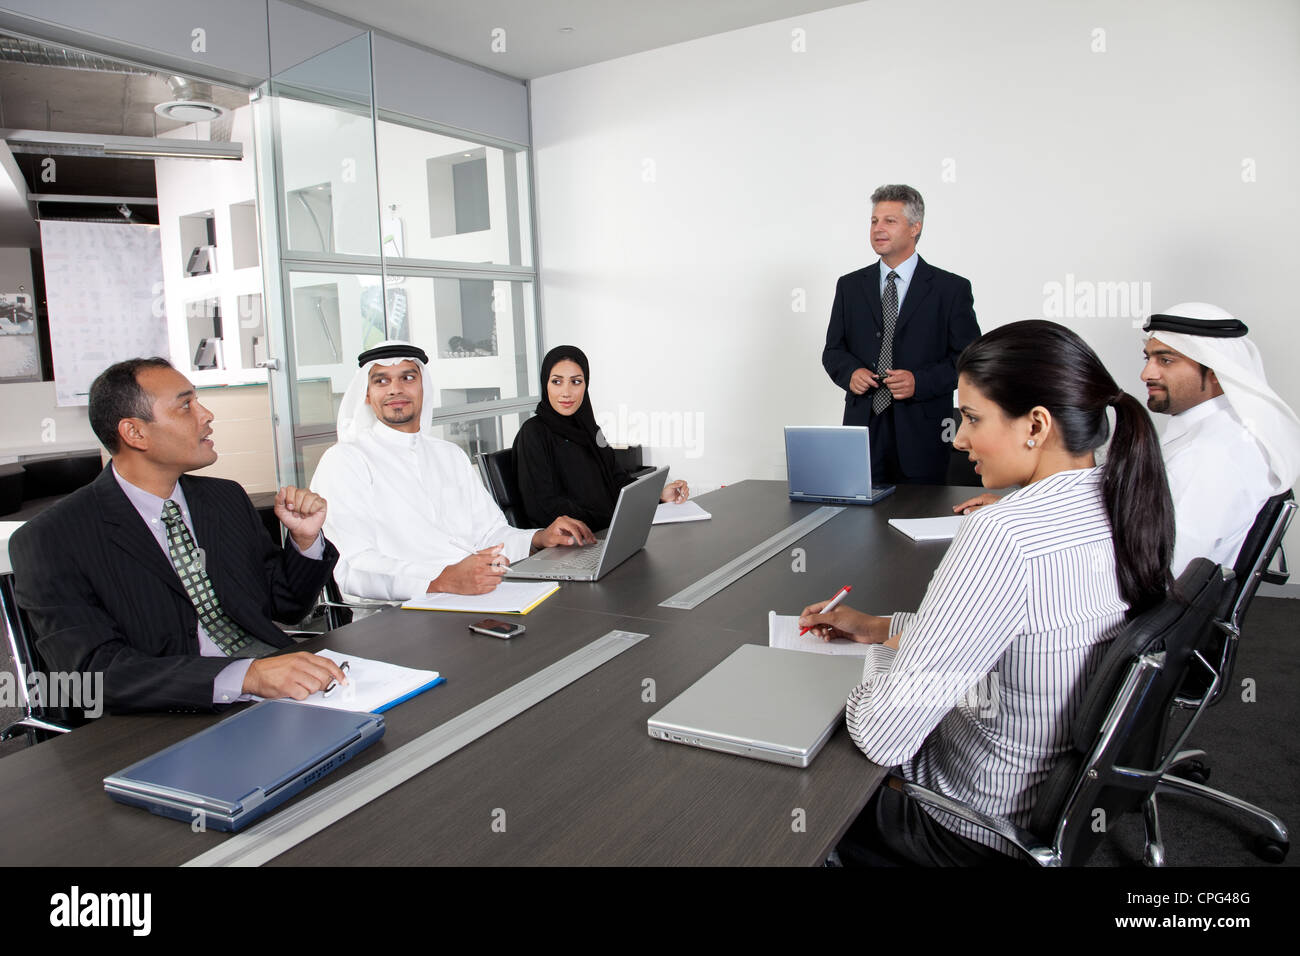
<point>1232,443</point>
<point>408,513</point>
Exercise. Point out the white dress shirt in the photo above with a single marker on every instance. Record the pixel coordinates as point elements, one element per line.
<point>1219,479</point>
<point>905,269</point>
<point>401,508</point>
<point>1026,601</point>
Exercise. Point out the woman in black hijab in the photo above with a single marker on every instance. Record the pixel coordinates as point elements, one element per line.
<point>562,462</point>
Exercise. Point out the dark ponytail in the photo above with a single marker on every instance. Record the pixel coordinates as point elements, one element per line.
<point>1025,364</point>
<point>1139,506</point>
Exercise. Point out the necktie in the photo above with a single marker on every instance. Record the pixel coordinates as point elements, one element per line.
<point>187,559</point>
<point>889,311</point>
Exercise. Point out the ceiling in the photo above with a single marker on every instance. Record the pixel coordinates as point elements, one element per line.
<point>44,87</point>
<point>99,96</point>
<point>534,42</point>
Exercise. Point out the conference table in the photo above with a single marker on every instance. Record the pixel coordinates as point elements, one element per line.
<point>574,779</point>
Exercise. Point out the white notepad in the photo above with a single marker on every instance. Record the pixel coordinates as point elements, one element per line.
<point>510,597</point>
<point>928,529</point>
<point>671,513</point>
<point>373,686</point>
<point>783,632</point>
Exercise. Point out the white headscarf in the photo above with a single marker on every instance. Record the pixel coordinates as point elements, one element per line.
<point>1240,370</point>
<point>355,414</point>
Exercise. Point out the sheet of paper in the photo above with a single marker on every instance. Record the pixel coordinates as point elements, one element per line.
<point>669,513</point>
<point>928,529</point>
<point>510,597</point>
<point>783,631</point>
<point>372,686</point>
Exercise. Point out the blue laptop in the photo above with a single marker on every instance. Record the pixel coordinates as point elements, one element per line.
<point>244,767</point>
<point>831,464</point>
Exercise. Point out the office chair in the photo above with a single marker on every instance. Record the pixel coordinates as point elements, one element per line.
<point>1118,757</point>
<point>1189,770</point>
<point>36,722</point>
<point>340,611</point>
<point>498,470</point>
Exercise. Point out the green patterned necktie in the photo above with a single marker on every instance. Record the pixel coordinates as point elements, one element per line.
<point>187,559</point>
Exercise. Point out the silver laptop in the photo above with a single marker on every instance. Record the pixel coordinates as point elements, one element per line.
<point>831,463</point>
<point>763,702</point>
<point>625,536</point>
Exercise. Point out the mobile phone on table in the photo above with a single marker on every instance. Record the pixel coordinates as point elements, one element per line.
<point>493,628</point>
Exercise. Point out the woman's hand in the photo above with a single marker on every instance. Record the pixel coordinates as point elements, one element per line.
<point>676,492</point>
<point>979,501</point>
<point>844,623</point>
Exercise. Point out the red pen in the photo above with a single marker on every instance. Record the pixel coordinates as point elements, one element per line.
<point>831,605</point>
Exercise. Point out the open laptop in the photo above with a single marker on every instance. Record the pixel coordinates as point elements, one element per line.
<point>625,536</point>
<point>831,463</point>
<point>763,702</point>
<point>247,765</point>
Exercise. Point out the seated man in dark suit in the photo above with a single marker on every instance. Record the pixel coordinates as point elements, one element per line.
<point>895,332</point>
<point>163,582</point>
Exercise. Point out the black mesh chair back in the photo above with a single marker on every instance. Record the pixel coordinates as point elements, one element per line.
<point>1254,560</point>
<point>498,469</point>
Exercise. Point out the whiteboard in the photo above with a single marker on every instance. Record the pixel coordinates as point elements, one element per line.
<point>104,291</point>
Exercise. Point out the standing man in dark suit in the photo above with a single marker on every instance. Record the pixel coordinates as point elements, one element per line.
<point>896,330</point>
<point>166,583</point>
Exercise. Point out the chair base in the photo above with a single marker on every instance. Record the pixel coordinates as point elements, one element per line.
<point>1154,852</point>
<point>1271,846</point>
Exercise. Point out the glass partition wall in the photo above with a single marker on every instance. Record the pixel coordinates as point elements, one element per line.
<point>387,227</point>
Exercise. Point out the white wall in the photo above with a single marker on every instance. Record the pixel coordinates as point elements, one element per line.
<point>689,195</point>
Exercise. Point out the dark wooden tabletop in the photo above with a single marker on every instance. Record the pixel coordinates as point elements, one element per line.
<point>576,779</point>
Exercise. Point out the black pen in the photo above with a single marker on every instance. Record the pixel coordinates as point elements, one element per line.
<point>344,667</point>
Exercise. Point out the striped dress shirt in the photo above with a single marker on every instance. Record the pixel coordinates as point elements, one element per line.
<point>980,698</point>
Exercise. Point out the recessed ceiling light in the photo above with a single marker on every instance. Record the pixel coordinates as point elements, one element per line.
<point>189,111</point>
<point>566,29</point>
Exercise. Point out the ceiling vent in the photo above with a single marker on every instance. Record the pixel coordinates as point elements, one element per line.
<point>193,102</point>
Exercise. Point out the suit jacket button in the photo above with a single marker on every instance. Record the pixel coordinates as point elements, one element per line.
<point>877,335</point>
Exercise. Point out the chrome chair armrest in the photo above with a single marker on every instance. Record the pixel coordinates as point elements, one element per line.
<point>1028,843</point>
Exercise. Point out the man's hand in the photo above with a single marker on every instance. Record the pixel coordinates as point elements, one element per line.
<point>563,531</point>
<point>302,512</point>
<point>844,623</point>
<point>291,675</point>
<point>979,501</point>
<point>900,382</point>
<point>862,380</point>
<point>477,574</point>
<point>676,492</point>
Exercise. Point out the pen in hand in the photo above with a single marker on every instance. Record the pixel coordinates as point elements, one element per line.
<point>344,667</point>
<point>831,605</point>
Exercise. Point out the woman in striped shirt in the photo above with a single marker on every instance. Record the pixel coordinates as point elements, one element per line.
<point>1021,608</point>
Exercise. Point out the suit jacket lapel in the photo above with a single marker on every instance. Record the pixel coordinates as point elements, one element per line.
<point>872,280</point>
<point>129,532</point>
<point>233,579</point>
<point>920,287</point>
<point>207,523</point>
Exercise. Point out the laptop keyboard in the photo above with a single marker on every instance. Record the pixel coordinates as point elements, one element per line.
<point>584,562</point>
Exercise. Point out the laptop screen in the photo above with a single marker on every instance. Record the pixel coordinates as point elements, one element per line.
<point>828,461</point>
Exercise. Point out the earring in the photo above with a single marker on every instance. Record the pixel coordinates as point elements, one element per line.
<point>1030,443</point>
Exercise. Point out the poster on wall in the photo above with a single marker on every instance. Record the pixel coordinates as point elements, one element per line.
<point>19,351</point>
<point>104,290</point>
